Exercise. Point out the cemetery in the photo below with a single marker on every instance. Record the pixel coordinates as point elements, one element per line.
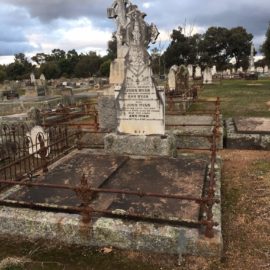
<point>137,165</point>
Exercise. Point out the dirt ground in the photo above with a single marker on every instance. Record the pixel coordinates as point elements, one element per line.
<point>246,229</point>
<point>246,213</point>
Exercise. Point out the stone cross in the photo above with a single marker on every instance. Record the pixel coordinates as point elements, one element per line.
<point>119,11</point>
<point>140,105</point>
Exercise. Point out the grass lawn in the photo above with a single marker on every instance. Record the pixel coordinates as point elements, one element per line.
<point>239,97</point>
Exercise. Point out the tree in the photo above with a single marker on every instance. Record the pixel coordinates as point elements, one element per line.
<point>105,68</point>
<point>239,44</point>
<point>213,47</point>
<point>68,64</point>
<point>261,63</point>
<point>174,54</point>
<point>112,48</point>
<point>3,74</point>
<point>183,49</point>
<point>266,46</point>
<point>20,68</point>
<point>88,65</point>
<point>40,58</point>
<point>155,55</point>
<point>51,70</point>
<point>56,55</point>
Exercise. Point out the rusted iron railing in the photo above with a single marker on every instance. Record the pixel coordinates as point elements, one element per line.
<point>181,102</point>
<point>82,116</point>
<point>23,154</point>
<point>86,194</point>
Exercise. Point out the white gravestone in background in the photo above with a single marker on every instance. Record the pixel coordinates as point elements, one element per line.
<point>207,76</point>
<point>240,70</point>
<point>172,78</point>
<point>259,69</point>
<point>214,70</point>
<point>32,78</point>
<point>266,69</point>
<point>190,70</point>
<point>198,72</point>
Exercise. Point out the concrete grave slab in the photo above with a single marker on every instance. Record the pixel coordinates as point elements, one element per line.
<point>197,132</point>
<point>185,175</point>
<point>247,133</point>
<point>252,125</point>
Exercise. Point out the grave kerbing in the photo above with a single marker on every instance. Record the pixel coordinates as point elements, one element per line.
<point>139,104</point>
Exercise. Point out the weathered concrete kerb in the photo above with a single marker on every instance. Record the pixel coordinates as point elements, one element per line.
<point>68,229</point>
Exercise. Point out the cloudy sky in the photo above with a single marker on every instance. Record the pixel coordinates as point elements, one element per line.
<point>32,26</point>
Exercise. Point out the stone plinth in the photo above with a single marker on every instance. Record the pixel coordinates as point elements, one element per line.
<point>140,145</point>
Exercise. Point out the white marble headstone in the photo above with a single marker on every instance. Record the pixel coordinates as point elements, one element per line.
<point>35,143</point>
<point>214,70</point>
<point>198,72</point>
<point>32,78</point>
<point>259,69</point>
<point>172,78</point>
<point>190,70</point>
<point>240,69</point>
<point>207,76</point>
<point>42,77</point>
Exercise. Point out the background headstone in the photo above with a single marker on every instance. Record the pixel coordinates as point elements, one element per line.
<point>190,71</point>
<point>198,72</point>
<point>214,70</point>
<point>172,78</point>
<point>207,76</point>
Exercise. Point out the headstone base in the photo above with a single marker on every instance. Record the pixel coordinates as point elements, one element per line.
<point>140,145</point>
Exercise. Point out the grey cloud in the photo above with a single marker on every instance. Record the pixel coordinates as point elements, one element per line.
<point>17,16</point>
<point>8,48</point>
<point>254,15</point>
<point>68,9</point>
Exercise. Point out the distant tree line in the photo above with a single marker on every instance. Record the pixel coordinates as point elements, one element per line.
<point>217,46</point>
<point>60,64</point>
